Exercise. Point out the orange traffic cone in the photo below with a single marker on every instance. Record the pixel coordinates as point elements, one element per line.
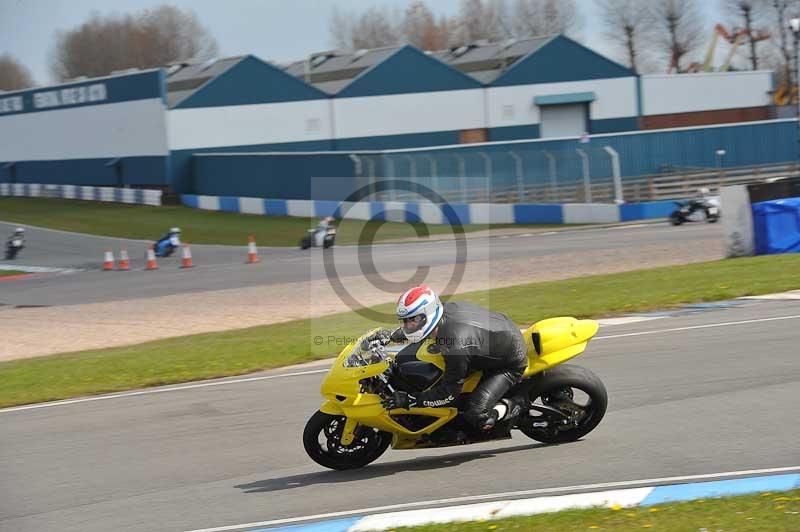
<point>252,251</point>
<point>151,259</point>
<point>108,261</point>
<point>124,260</point>
<point>186,258</point>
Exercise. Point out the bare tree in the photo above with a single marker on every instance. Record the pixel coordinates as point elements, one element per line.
<point>535,18</point>
<point>374,28</point>
<point>624,22</point>
<point>147,39</point>
<point>479,20</point>
<point>421,29</point>
<point>776,20</point>
<point>747,14</point>
<point>677,30</point>
<point>340,27</point>
<point>13,75</point>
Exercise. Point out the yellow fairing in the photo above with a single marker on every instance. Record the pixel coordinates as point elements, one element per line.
<point>344,396</point>
<point>560,338</point>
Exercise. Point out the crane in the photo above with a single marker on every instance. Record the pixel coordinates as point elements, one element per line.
<point>735,39</point>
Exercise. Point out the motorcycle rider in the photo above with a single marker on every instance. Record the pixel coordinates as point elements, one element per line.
<point>322,230</point>
<point>470,338</point>
<point>172,238</point>
<point>19,234</point>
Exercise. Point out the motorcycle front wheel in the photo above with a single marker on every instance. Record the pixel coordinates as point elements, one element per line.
<point>322,442</point>
<point>576,392</point>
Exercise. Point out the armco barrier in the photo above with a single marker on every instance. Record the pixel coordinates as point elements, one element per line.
<point>464,213</point>
<point>106,194</point>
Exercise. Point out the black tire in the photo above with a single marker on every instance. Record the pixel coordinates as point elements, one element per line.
<point>305,243</point>
<point>675,219</point>
<point>563,377</point>
<point>327,243</point>
<point>368,446</point>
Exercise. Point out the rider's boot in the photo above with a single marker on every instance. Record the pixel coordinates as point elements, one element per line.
<point>505,412</point>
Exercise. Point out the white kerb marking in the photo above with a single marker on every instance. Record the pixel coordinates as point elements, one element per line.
<point>507,495</point>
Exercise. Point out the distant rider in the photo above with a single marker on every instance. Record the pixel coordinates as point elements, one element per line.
<point>171,239</point>
<point>322,230</point>
<point>19,234</point>
<point>470,338</point>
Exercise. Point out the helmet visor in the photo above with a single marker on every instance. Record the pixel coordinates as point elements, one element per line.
<point>414,323</point>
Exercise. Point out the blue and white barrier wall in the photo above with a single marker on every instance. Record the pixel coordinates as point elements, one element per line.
<point>464,213</point>
<point>106,194</point>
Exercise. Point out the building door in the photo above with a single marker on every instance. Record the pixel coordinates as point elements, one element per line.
<point>563,120</point>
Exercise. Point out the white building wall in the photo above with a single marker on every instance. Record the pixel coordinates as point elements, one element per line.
<point>684,93</point>
<point>125,129</point>
<point>242,125</point>
<point>402,114</point>
<point>513,106</point>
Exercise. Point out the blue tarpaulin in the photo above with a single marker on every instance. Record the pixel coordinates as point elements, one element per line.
<point>776,225</point>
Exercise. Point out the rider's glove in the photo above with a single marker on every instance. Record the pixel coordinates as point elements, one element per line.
<point>398,336</point>
<point>385,336</point>
<point>400,399</point>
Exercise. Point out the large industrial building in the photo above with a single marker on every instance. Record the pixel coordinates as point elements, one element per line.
<point>149,127</point>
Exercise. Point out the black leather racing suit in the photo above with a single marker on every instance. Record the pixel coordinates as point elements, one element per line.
<point>473,338</point>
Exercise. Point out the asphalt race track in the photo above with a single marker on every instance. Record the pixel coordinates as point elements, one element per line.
<point>222,267</point>
<point>719,396</point>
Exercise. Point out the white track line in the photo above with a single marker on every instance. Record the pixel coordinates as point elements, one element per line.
<point>692,327</point>
<point>311,372</point>
<point>505,495</point>
<point>158,390</point>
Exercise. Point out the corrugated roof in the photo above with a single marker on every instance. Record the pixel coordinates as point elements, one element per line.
<point>332,71</point>
<point>486,61</point>
<point>184,79</point>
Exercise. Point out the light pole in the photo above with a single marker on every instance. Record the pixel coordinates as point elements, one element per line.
<point>794,25</point>
<point>720,155</point>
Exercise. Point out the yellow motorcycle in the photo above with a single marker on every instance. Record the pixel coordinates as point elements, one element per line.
<point>352,428</point>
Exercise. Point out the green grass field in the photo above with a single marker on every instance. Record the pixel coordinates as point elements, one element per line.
<point>4,273</point>
<point>242,351</point>
<point>762,512</point>
<point>197,226</point>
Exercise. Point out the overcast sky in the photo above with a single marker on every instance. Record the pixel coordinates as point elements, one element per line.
<point>277,30</point>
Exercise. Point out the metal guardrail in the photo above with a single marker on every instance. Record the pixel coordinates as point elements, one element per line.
<point>634,189</point>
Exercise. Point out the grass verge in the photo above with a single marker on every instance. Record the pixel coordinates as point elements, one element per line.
<point>242,351</point>
<point>774,512</point>
<point>10,272</point>
<point>198,226</point>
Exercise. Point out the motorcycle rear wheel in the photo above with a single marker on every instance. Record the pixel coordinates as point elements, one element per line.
<point>322,444</point>
<point>675,219</point>
<point>558,390</point>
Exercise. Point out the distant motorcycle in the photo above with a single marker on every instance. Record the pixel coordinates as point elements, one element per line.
<point>167,244</point>
<point>13,246</point>
<point>323,236</point>
<point>702,209</point>
<point>15,243</point>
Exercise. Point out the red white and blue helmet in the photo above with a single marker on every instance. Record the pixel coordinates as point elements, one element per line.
<point>420,310</point>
